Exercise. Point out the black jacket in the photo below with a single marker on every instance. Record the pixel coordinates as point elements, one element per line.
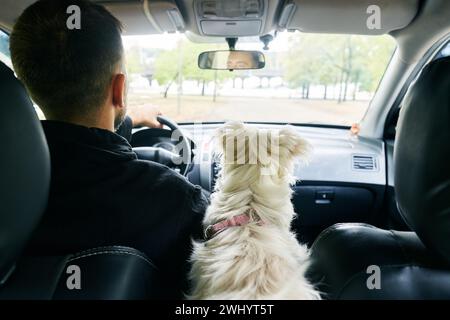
<point>101,194</point>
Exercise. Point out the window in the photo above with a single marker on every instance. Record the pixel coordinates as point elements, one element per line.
<point>308,78</point>
<point>445,51</point>
<point>5,56</point>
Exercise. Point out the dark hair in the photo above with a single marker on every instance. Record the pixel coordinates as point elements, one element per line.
<point>67,72</point>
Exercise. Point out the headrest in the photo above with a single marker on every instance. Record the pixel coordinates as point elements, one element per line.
<point>422,157</point>
<point>24,169</point>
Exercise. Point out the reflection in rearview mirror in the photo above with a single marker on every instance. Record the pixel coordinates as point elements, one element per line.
<point>231,60</point>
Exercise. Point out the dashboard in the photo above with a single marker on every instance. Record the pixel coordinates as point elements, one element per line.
<point>337,156</point>
<point>344,179</point>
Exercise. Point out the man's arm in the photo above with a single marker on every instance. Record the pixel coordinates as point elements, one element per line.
<point>145,116</point>
<point>140,116</point>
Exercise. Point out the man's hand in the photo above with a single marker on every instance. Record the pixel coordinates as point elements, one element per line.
<point>145,116</point>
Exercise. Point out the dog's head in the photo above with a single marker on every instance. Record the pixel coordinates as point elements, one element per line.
<point>264,152</point>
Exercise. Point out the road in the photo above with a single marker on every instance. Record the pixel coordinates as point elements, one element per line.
<point>203,109</point>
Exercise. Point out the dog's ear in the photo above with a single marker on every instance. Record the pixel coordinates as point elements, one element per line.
<point>292,144</point>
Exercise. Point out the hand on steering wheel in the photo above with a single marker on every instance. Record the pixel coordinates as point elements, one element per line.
<point>145,116</point>
<point>181,158</point>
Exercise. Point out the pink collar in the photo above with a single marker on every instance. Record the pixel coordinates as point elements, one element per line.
<point>236,221</point>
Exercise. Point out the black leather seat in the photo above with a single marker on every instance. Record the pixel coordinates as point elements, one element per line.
<point>105,273</point>
<point>413,265</point>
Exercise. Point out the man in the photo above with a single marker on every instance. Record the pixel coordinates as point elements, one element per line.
<point>100,193</point>
<point>241,60</point>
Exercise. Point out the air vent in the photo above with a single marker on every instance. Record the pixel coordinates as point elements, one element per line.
<point>364,162</point>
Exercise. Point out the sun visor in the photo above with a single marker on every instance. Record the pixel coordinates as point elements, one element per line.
<point>368,17</point>
<point>147,17</point>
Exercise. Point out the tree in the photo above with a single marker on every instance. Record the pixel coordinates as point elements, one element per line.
<point>327,59</point>
<point>308,63</point>
<point>134,60</point>
<point>167,68</point>
<point>378,53</point>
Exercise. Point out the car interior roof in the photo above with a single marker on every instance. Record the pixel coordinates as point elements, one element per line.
<point>255,17</point>
<point>412,22</point>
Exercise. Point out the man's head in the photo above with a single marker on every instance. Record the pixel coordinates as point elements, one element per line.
<point>243,60</point>
<point>74,75</point>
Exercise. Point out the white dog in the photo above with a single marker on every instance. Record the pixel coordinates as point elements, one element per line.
<point>250,252</point>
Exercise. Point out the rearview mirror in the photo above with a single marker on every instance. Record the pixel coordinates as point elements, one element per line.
<point>231,60</point>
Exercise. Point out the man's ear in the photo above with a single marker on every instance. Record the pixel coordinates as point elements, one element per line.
<point>118,90</point>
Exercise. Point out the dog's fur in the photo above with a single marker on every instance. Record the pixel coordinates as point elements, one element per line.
<point>255,261</point>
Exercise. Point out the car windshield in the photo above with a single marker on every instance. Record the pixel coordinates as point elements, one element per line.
<point>308,78</point>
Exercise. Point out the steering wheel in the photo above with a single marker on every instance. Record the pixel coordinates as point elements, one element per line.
<point>181,158</point>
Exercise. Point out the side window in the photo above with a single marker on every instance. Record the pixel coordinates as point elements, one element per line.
<point>445,52</point>
<point>391,124</point>
<point>5,56</point>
